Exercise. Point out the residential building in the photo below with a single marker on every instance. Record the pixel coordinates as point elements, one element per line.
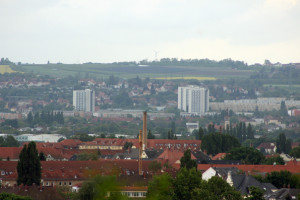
<point>84,100</point>
<point>192,126</point>
<point>193,99</point>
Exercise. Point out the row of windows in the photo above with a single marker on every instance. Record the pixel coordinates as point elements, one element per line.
<point>60,183</point>
<point>134,194</point>
<point>176,145</point>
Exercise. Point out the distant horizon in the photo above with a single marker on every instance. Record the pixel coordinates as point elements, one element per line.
<point>139,61</point>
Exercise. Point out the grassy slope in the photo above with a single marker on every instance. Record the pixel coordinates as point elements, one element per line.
<point>126,71</point>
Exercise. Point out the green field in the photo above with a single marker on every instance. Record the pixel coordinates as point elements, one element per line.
<point>130,71</point>
<point>282,85</point>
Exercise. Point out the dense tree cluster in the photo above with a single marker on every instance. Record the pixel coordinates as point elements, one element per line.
<point>196,62</point>
<point>187,162</point>
<point>10,196</point>
<point>150,135</point>
<point>283,145</point>
<point>83,137</point>
<point>241,131</point>
<point>99,187</point>
<point>281,179</point>
<point>171,135</point>
<point>8,141</point>
<point>274,160</point>
<point>247,155</point>
<point>10,122</point>
<point>295,152</point>
<point>127,145</point>
<point>215,143</point>
<point>29,166</point>
<point>45,118</point>
<point>188,185</point>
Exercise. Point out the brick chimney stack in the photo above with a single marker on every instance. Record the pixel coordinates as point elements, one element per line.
<point>145,130</point>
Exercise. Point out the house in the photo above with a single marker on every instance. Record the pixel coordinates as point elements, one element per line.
<point>10,153</point>
<point>284,193</point>
<point>218,171</point>
<point>192,126</point>
<point>242,183</point>
<point>219,156</point>
<point>173,156</point>
<point>61,173</point>
<point>287,157</point>
<point>267,147</point>
<point>201,157</point>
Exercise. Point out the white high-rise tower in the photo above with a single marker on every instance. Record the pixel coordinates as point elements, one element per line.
<point>84,100</point>
<point>193,99</point>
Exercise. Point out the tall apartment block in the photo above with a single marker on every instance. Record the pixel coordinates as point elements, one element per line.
<point>193,99</point>
<point>84,100</point>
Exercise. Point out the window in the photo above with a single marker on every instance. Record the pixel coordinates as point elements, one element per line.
<point>2,172</point>
<point>70,183</point>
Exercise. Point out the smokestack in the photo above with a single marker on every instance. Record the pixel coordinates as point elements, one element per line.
<point>140,153</point>
<point>145,130</point>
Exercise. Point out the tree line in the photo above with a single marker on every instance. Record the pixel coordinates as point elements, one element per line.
<point>240,131</point>
<point>45,118</point>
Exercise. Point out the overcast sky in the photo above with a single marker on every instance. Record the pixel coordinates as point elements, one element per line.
<point>77,31</point>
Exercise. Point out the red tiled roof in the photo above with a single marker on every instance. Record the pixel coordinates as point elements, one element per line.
<point>11,152</point>
<point>293,163</point>
<point>60,170</point>
<point>55,153</point>
<point>219,156</point>
<point>71,142</point>
<point>266,145</point>
<point>173,156</point>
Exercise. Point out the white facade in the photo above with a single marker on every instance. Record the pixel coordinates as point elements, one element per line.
<point>39,137</point>
<point>193,99</point>
<point>84,100</point>
<point>209,173</point>
<point>192,126</point>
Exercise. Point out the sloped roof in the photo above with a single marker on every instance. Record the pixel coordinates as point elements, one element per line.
<point>201,156</point>
<point>266,145</point>
<point>282,193</point>
<point>251,169</point>
<point>77,169</point>
<point>71,142</point>
<point>242,182</point>
<point>219,156</point>
<point>173,156</point>
<point>11,152</point>
<point>223,171</point>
